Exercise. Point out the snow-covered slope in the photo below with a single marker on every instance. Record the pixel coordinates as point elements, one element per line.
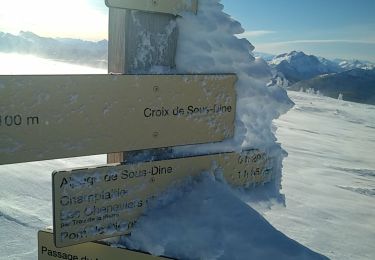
<point>329,176</point>
<point>296,66</point>
<point>355,85</point>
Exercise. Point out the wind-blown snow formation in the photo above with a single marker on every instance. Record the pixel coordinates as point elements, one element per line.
<point>208,44</point>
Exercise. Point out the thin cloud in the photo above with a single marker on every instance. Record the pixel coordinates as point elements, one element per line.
<point>256,33</point>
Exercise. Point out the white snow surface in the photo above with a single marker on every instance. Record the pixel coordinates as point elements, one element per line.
<point>329,176</point>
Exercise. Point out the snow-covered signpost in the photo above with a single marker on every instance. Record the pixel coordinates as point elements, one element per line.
<point>143,104</point>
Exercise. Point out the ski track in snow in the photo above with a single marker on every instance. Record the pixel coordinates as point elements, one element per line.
<point>10,218</point>
<point>363,191</point>
<point>360,172</point>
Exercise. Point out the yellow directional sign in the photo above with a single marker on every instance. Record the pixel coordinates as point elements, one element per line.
<point>159,6</point>
<point>49,117</point>
<point>96,203</point>
<point>86,251</point>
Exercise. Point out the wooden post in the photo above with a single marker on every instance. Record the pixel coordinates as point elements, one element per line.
<point>138,41</point>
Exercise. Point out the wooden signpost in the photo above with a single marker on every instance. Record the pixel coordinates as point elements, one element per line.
<point>49,117</point>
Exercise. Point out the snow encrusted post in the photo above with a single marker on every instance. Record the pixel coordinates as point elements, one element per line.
<point>142,38</point>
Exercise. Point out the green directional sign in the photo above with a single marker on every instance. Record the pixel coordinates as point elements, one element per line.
<point>49,117</point>
<point>101,202</point>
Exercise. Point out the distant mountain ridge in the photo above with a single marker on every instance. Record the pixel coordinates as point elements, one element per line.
<point>356,85</point>
<point>335,64</point>
<point>353,79</point>
<point>65,49</point>
<point>297,66</point>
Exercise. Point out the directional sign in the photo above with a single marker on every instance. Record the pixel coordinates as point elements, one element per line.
<point>160,6</point>
<point>96,203</point>
<point>86,251</point>
<point>49,117</point>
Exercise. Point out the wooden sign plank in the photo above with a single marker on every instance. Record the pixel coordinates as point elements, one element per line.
<point>49,117</point>
<point>160,6</point>
<point>126,42</point>
<point>86,251</point>
<point>96,203</point>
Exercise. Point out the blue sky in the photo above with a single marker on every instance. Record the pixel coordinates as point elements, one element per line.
<point>329,28</point>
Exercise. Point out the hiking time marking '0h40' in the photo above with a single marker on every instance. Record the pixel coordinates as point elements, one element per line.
<point>58,116</point>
